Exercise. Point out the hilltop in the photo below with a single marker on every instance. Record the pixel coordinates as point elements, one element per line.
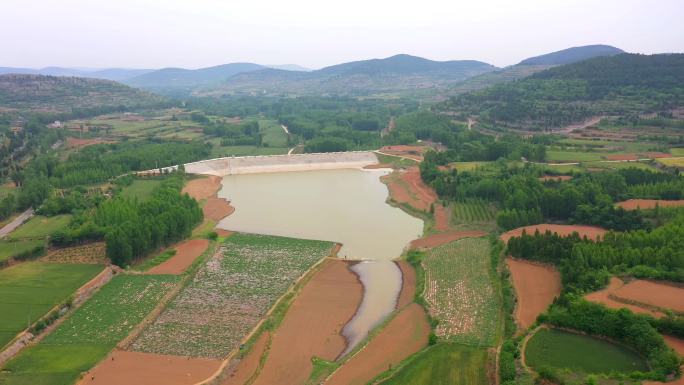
<point>572,55</point>
<point>393,74</point>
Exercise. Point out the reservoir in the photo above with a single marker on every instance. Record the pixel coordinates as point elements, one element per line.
<point>343,205</point>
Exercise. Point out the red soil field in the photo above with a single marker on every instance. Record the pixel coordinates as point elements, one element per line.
<point>203,188</point>
<point>555,177</point>
<point>407,187</point>
<point>677,344</point>
<point>654,294</point>
<point>249,364</point>
<point>404,335</point>
<point>606,297</point>
<point>223,233</point>
<point>622,157</point>
<point>217,209</point>
<point>645,204</point>
<point>408,284</point>
<point>135,368</point>
<point>313,324</point>
<point>186,253</point>
<point>591,232</point>
<point>536,286</point>
<point>444,238</point>
<point>80,143</point>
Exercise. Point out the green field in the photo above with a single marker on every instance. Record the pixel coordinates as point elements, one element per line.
<point>572,156</point>
<point>625,146</point>
<point>141,189</point>
<point>620,165</point>
<point>395,161</point>
<point>29,290</point>
<point>9,249</point>
<point>40,227</point>
<point>89,333</point>
<point>468,166</point>
<point>273,133</point>
<point>460,292</point>
<point>677,151</point>
<point>473,211</point>
<point>444,364</point>
<point>559,349</point>
<point>250,274</point>
<point>218,151</point>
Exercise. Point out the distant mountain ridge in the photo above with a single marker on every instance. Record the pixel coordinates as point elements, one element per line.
<point>115,74</point>
<point>572,55</point>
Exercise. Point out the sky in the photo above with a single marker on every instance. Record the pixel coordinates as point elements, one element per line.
<point>317,33</point>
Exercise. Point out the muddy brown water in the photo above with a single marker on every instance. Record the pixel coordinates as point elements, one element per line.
<point>346,206</point>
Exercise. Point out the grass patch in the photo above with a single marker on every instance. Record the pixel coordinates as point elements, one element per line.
<point>560,349</point>
<point>141,189</point>
<point>155,261</point>
<point>395,161</point>
<point>572,156</point>
<point>40,226</point>
<point>620,165</point>
<point>273,133</point>
<point>468,166</point>
<point>671,162</point>
<point>218,151</point>
<point>444,364</point>
<point>29,290</point>
<point>89,333</point>
<point>13,248</point>
<point>460,292</point>
<point>677,151</point>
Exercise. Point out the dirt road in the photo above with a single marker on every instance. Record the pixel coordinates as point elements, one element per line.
<point>23,217</point>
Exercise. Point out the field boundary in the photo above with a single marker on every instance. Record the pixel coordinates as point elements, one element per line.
<point>257,330</point>
<point>25,338</point>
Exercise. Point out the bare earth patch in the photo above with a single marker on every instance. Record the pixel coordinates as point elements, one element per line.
<point>186,253</point>
<point>248,366</point>
<point>405,334</point>
<point>444,238</point>
<point>536,286</point>
<point>216,209</point>
<point>408,187</point>
<point>312,325</point>
<point>646,204</point>
<point>654,294</point>
<point>408,284</point>
<point>203,188</point>
<point>607,297</point>
<point>135,368</point>
<point>590,232</point>
<point>622,157</point>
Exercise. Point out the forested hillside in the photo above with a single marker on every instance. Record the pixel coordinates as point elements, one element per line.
<point>77,96</point>
<point>559,96</point>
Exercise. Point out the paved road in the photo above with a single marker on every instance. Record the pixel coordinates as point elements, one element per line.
<point>23,217</point>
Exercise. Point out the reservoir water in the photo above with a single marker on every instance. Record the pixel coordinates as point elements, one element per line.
<point>346,206</point>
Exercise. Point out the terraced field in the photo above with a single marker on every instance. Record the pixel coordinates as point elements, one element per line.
<point>229,295</point>
<point>460,294</point>
<point>29,290</point>
<point>89,333</point>
<point>473,211</point>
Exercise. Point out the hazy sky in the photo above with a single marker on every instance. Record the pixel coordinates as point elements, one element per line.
<point>316,33</point>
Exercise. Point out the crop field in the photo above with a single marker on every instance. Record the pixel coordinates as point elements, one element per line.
<point>460,294</point>
<point>444,364</point>
<point>607,145</point>
<point>620,165</point>
<point>89,333</point>
<point>677,151</point>
<point>9,249</point>
<point>40,226</point>
<point>672,162</point>
<point>273,133</point>
<point>559,349</point>
<point>229,295</point>
<point>29,290</point>
<point>572,156</point>
<point>474,211</point>
<point>467,166</point>
<point>141,189</point>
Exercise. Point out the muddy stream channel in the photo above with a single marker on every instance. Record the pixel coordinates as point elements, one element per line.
<point>346,206</point>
